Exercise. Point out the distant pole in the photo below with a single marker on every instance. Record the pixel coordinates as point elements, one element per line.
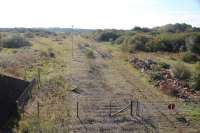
<point>0,39</point>
<point>72,41</point>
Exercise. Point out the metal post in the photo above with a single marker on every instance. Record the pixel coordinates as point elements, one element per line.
<point>138,108</point>
<point>39,78</point>
<point>77,109</point>
<point>25,73</point>
<point>38,109</point>
<point>72,41</point>
<point>110,109</point>
<point>131,108</point>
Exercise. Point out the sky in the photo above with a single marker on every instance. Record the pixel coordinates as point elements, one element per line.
<point>98,14</point>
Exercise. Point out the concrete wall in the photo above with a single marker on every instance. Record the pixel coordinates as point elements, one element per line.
<point>10,90</point>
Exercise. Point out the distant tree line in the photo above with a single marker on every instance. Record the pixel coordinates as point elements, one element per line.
<point>168,38</point>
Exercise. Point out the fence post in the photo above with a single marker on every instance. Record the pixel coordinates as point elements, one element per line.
<point>38,109</point>
<point>131,108</point>
<point>77,104</point>
<point>39,78</point>
<point>25,73</point>
<point>110,109</point>
<point>138,108</point>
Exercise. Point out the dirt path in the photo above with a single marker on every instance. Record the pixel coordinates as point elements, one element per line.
<point>101,82</point>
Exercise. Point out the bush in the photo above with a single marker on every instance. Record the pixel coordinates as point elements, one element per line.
<point>156,76</point>
<point>176,28</point>
<point>181,71</point>
<point>51,54</point>
<point>29,35</point>
<point>105,36</point>
<point>15,41</point>
<point>167,42</point>
<point>89,53</point>
<point>193,43</point>
<point>120,40</point>
<point>190,57</point>
<point>164,65</point>
<point>135,43</point>
<point>150,43</point>
<point>196,80</point>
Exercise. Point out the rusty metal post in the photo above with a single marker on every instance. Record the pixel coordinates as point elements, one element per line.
<point>131,108</point>
<point>38,109</point>
<point>110,109</point>
<point>25,73</point>
<point>77,109</point>
<point>138,108</point>
<point>39,77</point>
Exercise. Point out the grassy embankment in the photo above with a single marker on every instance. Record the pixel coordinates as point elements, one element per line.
<point>53,58</point>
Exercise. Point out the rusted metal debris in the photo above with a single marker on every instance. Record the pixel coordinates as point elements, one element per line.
<point>142,65</point>
<point>168,84</point>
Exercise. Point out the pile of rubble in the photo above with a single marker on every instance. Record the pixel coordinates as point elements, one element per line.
<point>168,83</point>
<point>172,85</point>
<point>142,65</point>
<point>175,87</point>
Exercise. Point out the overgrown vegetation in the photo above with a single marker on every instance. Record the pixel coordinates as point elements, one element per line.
<point>190,57</point>
<point>171,38</point>
<point>106,35</point>
<point>193,43</point>
<point>14,41</point>
<point>89,53</point>
<point>168,38</point>
<point>53,59</point>
<point>196,80</point>
<point>181,71</point>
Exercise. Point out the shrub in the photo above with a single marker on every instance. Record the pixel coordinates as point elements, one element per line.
<point>89,53</point>
<point>196,80</point>
<point>106,36</point>
<point>51,53</point>
<point>167,42</point>
<point>139,29</point>
<point>29,35</point>
<point>164,65</point>
<point>120,40</point>
<point>15,41</point>
<point>135,43</point>
<point>181,71</point>
<point>176,28</point>
<point>163,42</point>
<point>190,57</point>
<point>156,76</point>
<point>193,43</point>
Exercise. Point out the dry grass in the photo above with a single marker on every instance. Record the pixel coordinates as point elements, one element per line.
<point>55,86</point>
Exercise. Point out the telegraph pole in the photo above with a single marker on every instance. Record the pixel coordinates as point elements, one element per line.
<point>72,41</point>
